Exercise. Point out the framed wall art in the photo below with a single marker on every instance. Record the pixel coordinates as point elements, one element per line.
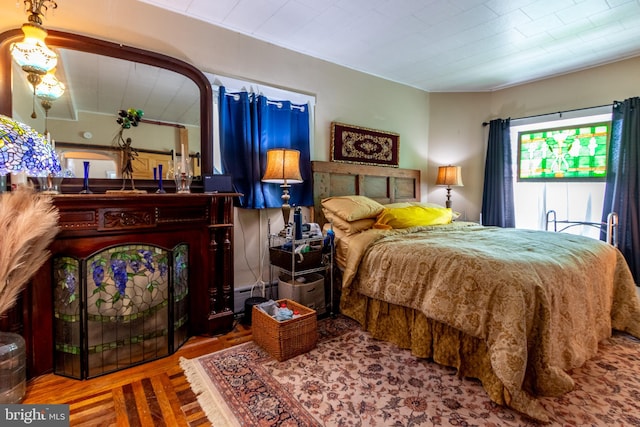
<point>355,144</point>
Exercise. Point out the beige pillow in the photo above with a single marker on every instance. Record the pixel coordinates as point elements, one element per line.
<point>352,208</point>
<point>348,227</point>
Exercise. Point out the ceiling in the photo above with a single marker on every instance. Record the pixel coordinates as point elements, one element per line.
<point>438,45</point>
<point>106,85</point>
<point>434,45</point>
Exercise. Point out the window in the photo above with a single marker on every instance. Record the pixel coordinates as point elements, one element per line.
<point>571,199</point>
<point>573,152</point>
<point>236,85</point>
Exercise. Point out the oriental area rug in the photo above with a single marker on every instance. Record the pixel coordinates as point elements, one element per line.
<point>351,379</point>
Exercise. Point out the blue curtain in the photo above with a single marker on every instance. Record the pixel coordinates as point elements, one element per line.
<point>497,195</point>
<point>622,190</point>
<point>249,126</point>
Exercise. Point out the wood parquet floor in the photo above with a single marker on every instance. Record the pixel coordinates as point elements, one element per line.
<point>153,394</point>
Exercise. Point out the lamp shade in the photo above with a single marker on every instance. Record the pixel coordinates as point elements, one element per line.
<point>450,176</point>
<point>22,149</point>
<point>32,54</point>
<point>50,88</point>
<point>283,167</point>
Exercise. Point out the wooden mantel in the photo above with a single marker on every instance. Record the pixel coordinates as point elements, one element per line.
<point>90,222</point>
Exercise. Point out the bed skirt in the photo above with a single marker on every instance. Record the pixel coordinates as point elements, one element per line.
<point>430,339</point>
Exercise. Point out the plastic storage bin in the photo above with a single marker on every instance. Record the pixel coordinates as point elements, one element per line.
<point>307,289</point>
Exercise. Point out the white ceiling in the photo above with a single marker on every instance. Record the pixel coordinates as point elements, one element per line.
<point>103,84</point>
<point>438,45</point>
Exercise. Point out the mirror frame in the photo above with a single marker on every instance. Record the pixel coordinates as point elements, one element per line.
<point>66,40</point>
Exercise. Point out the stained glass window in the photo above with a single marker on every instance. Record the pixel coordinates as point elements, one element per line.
<point>575,153</point>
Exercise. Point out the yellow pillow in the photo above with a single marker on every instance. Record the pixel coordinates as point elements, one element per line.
<point>456,215</point>
<point>413,216</point>
<point>352,208</point>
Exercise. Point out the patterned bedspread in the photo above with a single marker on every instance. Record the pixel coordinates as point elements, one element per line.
<point>541,301</point>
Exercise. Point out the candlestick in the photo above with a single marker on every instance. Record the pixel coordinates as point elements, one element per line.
<point>184,159</point>
<point>155,173</point>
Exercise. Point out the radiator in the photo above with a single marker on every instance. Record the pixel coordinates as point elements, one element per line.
<point>240,294</point>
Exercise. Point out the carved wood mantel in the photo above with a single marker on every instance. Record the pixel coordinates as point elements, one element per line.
<point>92,222</point>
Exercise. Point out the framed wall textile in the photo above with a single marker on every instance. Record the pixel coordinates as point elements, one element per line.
<point>355,144</point>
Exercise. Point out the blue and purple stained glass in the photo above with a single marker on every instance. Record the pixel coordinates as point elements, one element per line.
<point>22,149</point>
<point>127,278</point>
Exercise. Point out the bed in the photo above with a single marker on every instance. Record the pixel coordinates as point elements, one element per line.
<point>516,309</point>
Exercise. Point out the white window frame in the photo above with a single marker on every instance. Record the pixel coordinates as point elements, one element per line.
<point>277,94</point>
<point>573,201</point>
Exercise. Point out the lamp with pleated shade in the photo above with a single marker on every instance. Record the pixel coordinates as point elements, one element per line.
<point>451,176</point>
<point>283,167</point>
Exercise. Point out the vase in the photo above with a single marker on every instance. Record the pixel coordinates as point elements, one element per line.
<point>50,184</point>
<point>18,178</point>
<point>160,189</point>
<point>183,177</point>
<point>13,374</point>
<point>85,185</point>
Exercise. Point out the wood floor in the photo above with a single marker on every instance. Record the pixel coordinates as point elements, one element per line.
<point>153,394</point>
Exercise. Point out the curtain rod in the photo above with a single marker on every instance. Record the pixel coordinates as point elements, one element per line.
<point>293,105</point>
<point>157,122</point>
<point>558,112</point>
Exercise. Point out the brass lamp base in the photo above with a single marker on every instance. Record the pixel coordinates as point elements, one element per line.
<point>286,208</point>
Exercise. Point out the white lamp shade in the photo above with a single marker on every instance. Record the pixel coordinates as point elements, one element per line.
<point>32,54</point>
<point>50,88</point>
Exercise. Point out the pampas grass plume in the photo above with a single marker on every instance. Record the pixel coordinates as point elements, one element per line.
<point>28,224</point>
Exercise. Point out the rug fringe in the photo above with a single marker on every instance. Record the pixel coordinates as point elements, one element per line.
<point>209,398</point>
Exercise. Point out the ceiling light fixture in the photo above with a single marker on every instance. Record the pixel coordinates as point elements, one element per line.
<point>32,54</point>
<point>49,90</point>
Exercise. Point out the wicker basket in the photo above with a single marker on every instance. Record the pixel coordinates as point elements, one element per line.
<point>289,338</point>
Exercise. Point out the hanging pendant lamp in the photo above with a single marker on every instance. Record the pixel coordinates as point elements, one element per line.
<point>32,54</point>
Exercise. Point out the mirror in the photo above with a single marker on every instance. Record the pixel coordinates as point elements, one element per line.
<point>104,77</point>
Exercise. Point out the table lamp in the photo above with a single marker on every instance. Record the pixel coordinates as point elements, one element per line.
<point>283,167</point>
<point>22,149</point>
<point>451,176</point>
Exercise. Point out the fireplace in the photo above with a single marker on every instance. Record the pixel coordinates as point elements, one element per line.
<point>187,239</point>
<point>118,307</point>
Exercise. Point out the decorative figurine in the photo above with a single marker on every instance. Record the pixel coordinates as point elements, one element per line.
<point>126,119</point>
<point>129,154</point>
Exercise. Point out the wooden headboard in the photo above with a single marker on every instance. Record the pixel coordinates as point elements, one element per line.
<point>383,184</point>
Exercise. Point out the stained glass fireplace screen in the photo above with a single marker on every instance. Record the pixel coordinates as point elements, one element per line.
<point>120,307</point>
